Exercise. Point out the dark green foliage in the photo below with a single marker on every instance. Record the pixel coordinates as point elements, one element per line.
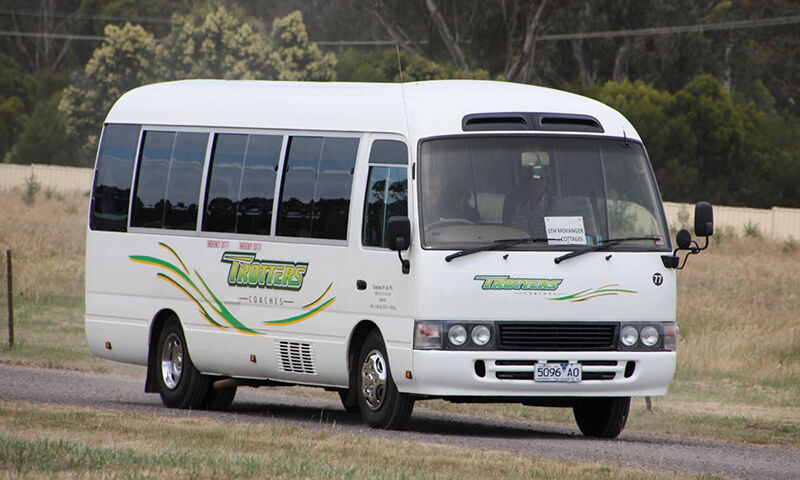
<point>703,146</point>
<point>45,140</point>
<point>384,66</point>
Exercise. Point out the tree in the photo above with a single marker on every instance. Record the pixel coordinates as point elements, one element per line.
<point>382,66</point>
<point>128,59</point>
<point>293,57</point>
<point>45,139</point>
<point>14,101</point>
<point>218,44</point>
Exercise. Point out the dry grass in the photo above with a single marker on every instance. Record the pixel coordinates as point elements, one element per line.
<point>40,441</point>
<point>739,311</point>
<point>47,240</point>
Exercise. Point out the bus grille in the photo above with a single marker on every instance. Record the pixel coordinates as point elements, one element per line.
<point>557,336</point>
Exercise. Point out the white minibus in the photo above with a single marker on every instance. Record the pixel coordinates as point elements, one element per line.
<point>470,241</point>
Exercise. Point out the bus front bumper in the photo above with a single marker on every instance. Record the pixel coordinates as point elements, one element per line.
<point>449,373</point>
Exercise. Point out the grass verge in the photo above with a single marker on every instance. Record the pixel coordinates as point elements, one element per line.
<point>39,441</point>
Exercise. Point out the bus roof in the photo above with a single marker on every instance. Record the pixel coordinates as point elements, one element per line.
<point>415,110</point>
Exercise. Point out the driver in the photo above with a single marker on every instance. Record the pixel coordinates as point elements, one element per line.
<point>528,209</point>
<point>449,202</point>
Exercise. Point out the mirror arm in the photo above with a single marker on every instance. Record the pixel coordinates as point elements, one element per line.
<point>405,263</point>
<point>693,250</point>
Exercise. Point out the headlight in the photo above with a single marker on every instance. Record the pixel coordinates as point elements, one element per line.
<point>649,336</point>
<point>457,335</point>
<point>629,336</point>
<point>481,335</point>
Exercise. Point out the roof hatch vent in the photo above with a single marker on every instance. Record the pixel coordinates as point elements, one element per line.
<point>559,122</point>
<point>495,121</point>
<point>569,123</point>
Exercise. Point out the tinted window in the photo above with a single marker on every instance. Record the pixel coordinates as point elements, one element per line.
<point>151,182</point>
<point>185,177</point>
<point>223,183</point>
<point>387,196</point>
<point>112,180</point>
<point>242,183</point>
<point>257,191</point>
<point>168,180</point>
<point>318,178</point>
<point>389,151</point>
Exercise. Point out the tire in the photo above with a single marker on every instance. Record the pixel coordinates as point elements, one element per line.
<point>602,417</point>
<point>381,405</point>
<point>219,399</point>
<point>179,383</point>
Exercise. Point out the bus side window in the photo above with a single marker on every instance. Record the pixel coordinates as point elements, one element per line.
<point>387,190</point>
<point>317,181</point>
<point>112,181</point>
<point>387,196</point>
<point>168,182</point>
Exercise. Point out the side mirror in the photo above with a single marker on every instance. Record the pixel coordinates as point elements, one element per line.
<point>703,227</point>
<point>398,237</point>
<point>703,219</point>
<point>398,233</point>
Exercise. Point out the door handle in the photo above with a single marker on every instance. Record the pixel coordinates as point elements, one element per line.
<point>231,300</point>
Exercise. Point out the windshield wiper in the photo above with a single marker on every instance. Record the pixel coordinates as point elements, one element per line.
<point>496,245</point>
<point>602,245</point>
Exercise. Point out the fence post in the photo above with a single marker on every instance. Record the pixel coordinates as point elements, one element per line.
<point>10,300</point>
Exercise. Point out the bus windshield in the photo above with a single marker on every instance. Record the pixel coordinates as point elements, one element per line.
<point>557,191</point>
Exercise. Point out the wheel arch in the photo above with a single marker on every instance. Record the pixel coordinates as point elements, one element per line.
<point>357,336</point>
<point>156,325</point>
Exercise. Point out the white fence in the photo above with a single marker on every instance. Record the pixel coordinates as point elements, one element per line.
<point>61,179</point>
<point>776,223</point>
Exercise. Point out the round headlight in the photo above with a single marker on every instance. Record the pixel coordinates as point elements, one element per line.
<point>481,335</point>
<point>629,336</point>
<point>649,336</point>
<point>457,335</point>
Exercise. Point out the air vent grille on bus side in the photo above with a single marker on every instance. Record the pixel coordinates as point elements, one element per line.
<point>295,357</point>
<point>500,121</point>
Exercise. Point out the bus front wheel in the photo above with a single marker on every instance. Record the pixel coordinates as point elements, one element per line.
<point>381,405</point>
<point>179,383</point>
<point>602,417</point>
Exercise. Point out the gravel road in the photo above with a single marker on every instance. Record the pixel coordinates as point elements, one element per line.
<point>280,406</point>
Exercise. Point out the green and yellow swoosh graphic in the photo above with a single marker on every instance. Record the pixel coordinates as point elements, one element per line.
<point>591,293</point>
<point>209,305</point>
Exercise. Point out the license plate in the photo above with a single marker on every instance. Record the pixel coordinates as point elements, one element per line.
<point>557,372</point>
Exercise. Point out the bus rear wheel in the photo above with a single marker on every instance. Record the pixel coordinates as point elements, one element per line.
<point>381,405</point>
<point>179,383</point>
<point>602,417</point>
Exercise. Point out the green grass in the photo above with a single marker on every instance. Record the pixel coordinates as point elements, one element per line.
<point>40,441</point>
